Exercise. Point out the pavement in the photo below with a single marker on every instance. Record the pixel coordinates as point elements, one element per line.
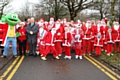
<point>5,61</point>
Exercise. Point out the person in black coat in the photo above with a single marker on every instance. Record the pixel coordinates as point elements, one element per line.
<point>32,30</point>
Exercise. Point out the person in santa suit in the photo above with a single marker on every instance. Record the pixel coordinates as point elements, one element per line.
<point>78,35</point>
<point>22,39</point>
<point>58,40</point>
<point>98,43</point>
<point>40,38</point>
<point>87,37</point>
<point>116,35</point>
<point>51,22</point>
<point>49,44</point>
<point>67,37</point>
<point>27,45</point>
<point>104,29</point>
<point>46,25</point>
<point>109,41</point>
<point>93,27</point>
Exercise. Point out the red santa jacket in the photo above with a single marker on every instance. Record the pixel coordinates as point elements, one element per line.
<point>67,38</point>
<point>49,39</point>
<point>98,42</point>
<point>78,35</point>
<point>87,32</point>
<point>109,38</point>
<point>3,33</point>
<point>104,31</point>
<point>40,36</point>
<point>116,34</point>
<point>22,31</point>
<point>59,32</point>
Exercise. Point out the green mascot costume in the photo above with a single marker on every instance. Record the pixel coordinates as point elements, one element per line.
<point>9,22</point>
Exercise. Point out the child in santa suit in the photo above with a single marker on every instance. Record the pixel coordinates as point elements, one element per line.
<point>87,30</point>
<point>98,43</point>
<point>40,38</point>
<point>49,44</point>
<point>67,37</point>
<point>104,29</point>
<point>78,35</point>
<point>116,36</point>
<point>58,40</point>
<point>22,39</point>
<point>109,41</point>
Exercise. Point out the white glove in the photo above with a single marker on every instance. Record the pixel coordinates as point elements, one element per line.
<point>69,44</point>
<point>58,34</point>
<point>38,40</point>
<point>52,44</point>
<point>77,36</point>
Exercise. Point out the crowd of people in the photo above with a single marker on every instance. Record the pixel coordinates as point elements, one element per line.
<point>56,37</point>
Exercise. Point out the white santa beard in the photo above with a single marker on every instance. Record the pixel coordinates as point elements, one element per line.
<point>116,27</point>
<point>51,22</point>
<point>87,25</point>
<point>57,26</point>
<point>41,30</point>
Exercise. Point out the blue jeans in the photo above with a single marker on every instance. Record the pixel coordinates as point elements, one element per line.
<point>14,46</point>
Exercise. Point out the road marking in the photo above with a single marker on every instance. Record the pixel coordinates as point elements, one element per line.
<point>15,69</point>
<point>115,74</point>
<point>107,73</point>
<point>9,68</point>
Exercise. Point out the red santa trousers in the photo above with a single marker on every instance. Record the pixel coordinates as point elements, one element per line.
<point>115,46</point>
<point>27,46</point>
<point>78,48</point>
<point>67,50</point>
<point>42,49</point>
<point>49,49</point>
<point>92,46</point>
<point>86,46</point>
<point>109,48</point>
<point>58,47</point>
<point>98,50</point>
<point>104,45</point>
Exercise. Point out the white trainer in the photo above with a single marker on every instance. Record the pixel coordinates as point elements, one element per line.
<point>80,57</point>
<point>69,57</point>
<point>76,57</point>
<point>65,57</point>
<point>59,55</point>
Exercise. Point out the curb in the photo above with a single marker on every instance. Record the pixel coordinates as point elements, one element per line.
<point>4,62</point>
<point>113,66</point>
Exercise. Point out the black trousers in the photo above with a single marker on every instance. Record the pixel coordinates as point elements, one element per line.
<point>22,47</point>
<point>32,48</point>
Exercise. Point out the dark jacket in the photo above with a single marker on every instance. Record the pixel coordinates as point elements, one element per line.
<point>32,38</point>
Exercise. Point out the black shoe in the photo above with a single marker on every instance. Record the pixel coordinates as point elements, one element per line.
<point>24,54</point>
<point>34,55</point>
<point>30,54</point>
<point>15,56</point>
<point>3,56</point>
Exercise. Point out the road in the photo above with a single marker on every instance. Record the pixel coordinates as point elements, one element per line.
<point>33,68</point>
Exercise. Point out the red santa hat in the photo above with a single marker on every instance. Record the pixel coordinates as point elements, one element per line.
<point>22,23</point>
<point>98,21</point>
<point>65,19</point>
<point>116,22</point>
<point>72,21</point>
<point>51,17</point>
<point>58,21</point>
<point>42,19</point>
<point>88,21</point>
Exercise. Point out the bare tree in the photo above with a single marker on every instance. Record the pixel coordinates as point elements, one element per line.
<point>75,6</point>
<point>103,6</point>
<point>3,3</point>
<point>52,8</point>
<point>25,10</point>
